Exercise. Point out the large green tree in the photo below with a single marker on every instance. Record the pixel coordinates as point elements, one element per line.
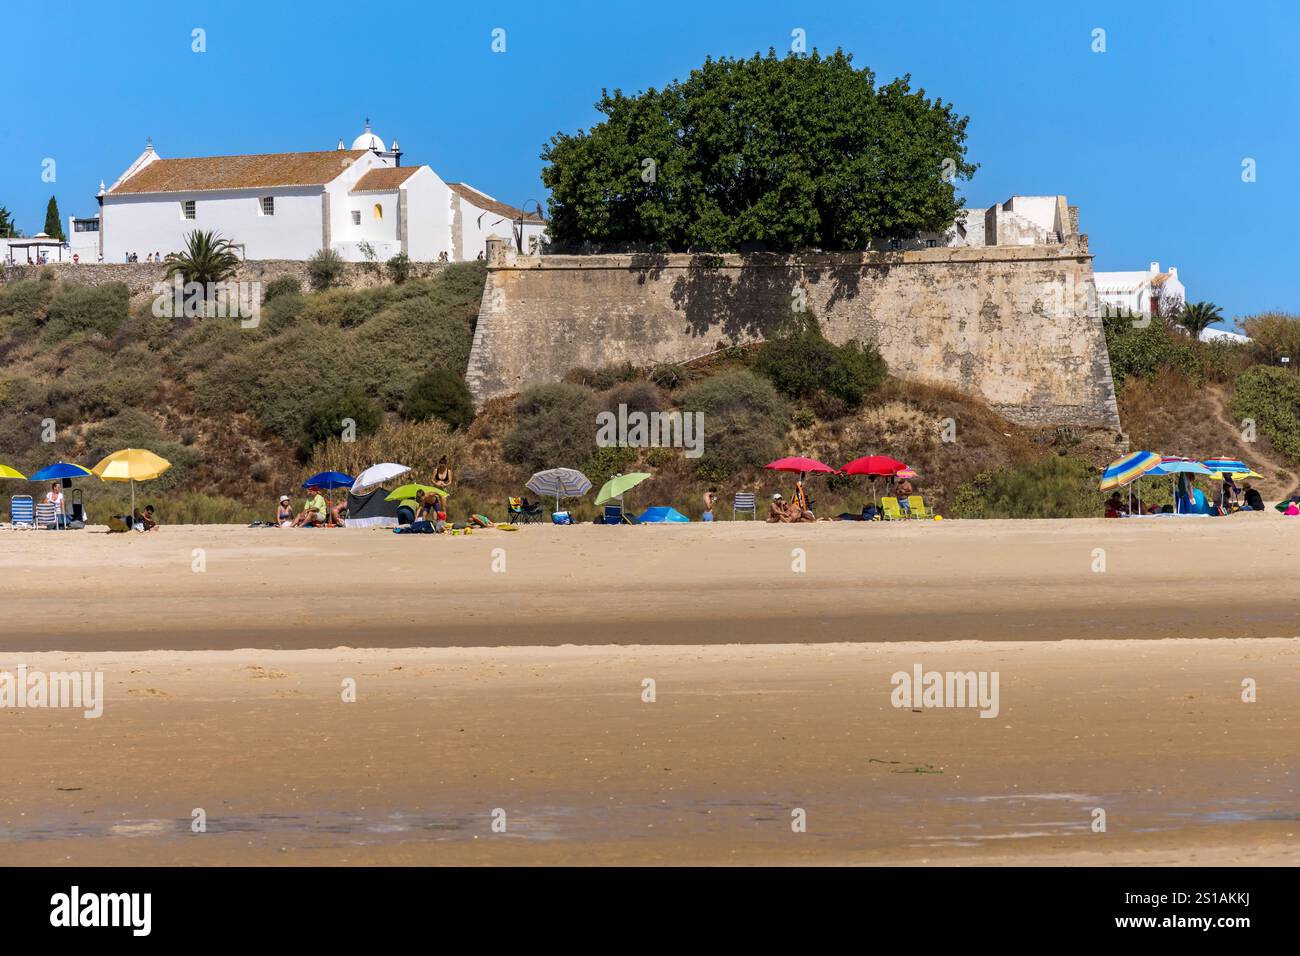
<point>53,221</point>
<point>793,152</point>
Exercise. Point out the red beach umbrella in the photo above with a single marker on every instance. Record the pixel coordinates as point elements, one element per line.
<point>874,466</point>
<point>800,464</point>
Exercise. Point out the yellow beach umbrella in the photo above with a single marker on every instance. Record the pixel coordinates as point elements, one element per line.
<point>131,464</point>
<point>7,472</point>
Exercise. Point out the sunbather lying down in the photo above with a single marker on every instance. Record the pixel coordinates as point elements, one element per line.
<point>782,512</point>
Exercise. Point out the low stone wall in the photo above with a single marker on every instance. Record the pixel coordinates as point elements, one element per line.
<point>1013,325</point>
<point>140,277</point>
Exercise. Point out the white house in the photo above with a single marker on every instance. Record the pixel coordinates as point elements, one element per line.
<point>360,202</point>
<point>1019,221</point>
<point>1138,292</point>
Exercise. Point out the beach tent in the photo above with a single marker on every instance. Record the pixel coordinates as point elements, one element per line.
<point>661,515</point>
<point>370,510</point>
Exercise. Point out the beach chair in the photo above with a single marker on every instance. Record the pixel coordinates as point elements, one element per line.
<point>47,516</point>
<point>917,506</point>
<point>613,514</point>
<point>891,510</point>
<point>744,503</point>
<point>520,511</point>
<point>21,513</point>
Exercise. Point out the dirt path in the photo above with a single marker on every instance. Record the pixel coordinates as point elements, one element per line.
<point>1252,453</point>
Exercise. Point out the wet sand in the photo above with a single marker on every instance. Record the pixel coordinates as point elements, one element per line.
<point>757,714</point>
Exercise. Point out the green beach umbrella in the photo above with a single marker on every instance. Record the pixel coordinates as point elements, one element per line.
<point>410,491</point>
<point>620,485</point>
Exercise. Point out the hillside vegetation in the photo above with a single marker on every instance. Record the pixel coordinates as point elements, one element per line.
<point>340,379</point>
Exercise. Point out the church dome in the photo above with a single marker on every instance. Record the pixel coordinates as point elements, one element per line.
<point>368,140</point>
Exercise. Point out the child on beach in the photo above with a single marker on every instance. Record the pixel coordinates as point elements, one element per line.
<point>710,497</point>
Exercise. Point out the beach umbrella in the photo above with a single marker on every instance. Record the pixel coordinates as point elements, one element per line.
<point>801,465</point>
<point>906,473</point>
<point>131,464</point>
<point>329,480</point>
<point>1177,466</point>
<point>377,475</point>
<point>560,482</point>
<point>61,469</point>
<point>620,485</point>
<point>873,466</point>
<point>1236,475</point>
<point>7,472</point>
<point>1127,469</point>
<point>410,491</point>
<point>1230,465</point>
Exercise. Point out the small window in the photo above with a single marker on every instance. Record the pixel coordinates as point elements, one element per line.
<point>268,205</point>
<point>188,209</point>
<point>379,211</point>
<point>931,243</point>
<point>895,243</point>
<point>356,217</point>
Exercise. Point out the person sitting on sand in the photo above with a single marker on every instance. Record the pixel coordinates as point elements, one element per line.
<point>338,514</point>
<point>798,508</point>
<point>315,512</point>
<point>1254,501</point>
<point>1115,507</point>
<point>777,513</point>
<point>144,520</point>
<point>430,509</point>
<point>284,512</point>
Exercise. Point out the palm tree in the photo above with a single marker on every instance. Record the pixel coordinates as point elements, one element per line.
<point>1199,316</point>
<point>207,258</point>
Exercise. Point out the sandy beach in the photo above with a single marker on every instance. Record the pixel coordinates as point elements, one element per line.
<point>501,711</point>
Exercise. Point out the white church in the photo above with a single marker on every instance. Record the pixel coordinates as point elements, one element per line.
<point>360,202</point>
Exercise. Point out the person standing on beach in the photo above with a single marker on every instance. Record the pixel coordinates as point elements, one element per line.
<point>442,475</point>
<point>710,498</point>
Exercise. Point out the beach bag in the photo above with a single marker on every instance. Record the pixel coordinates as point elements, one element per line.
<point>561,517</point>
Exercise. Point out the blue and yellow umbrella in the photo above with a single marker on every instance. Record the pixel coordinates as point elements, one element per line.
<point>1128,468</point>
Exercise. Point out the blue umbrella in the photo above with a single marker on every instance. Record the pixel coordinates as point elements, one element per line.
<point>61,469</point>
<point>1175,466</point>
<point>329,480</point>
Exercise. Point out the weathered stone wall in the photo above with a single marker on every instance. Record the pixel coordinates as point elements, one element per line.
<point>140,277</point>
<point>1010,324</point>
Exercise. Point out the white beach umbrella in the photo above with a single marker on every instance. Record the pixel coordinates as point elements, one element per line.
<point>377,475</point>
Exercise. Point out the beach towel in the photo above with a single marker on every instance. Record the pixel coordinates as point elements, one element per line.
<point>483,521</point>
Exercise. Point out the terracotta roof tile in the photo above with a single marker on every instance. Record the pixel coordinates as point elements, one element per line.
<point>1160,279</point>
<point>239,172</point>
<point>384,177</point>
<point>491,205</point>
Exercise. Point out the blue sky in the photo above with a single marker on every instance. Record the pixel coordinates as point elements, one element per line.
<point>1147,138</point>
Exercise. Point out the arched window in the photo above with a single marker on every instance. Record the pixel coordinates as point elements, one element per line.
<point>379,211</point>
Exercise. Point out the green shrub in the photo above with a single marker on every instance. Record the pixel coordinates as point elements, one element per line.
<point>1270,396</point>
<point>440,394</point>
<point>555,427</point>
<point>1049,487</point>
<point>133,428</point>
<point>281,313</point>
<point>605,463</point>
<point>744,422</point>
<point>1140,347</point>
<point>324,269</point>
<point>77,308</point>
<point>803,363</point>
<point>279,286</point>
<point>399,268</point>
<point>1273,335</point>
<point>638,396</point>
<point>26,300</point>
<point>326,417</point>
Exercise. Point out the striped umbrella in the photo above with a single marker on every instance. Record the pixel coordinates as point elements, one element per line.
<point>560,482</point>
<point>1230,465</point>
<point>1128,468</point>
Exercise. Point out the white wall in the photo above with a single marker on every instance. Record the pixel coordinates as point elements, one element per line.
<point>479,225</point>
<point>428,207</point>
<point>143,223</point>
